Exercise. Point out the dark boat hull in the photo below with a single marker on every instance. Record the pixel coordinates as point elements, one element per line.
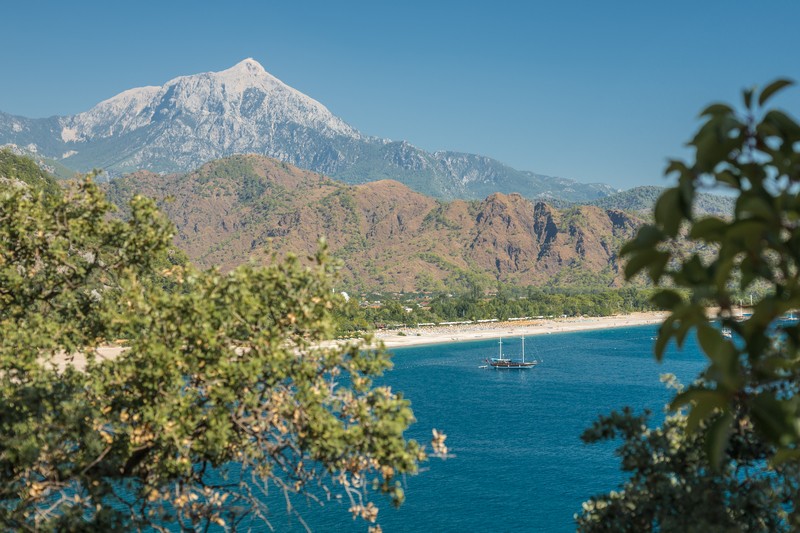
<point>511,365</point>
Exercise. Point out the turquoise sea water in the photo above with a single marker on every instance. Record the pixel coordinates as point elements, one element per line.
<point>519,464</point>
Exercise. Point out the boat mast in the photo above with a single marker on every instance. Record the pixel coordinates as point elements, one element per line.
<point>501,348</point>
<point>523,348</point>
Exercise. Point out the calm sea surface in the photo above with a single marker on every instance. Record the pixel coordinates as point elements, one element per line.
<point>519,463</point>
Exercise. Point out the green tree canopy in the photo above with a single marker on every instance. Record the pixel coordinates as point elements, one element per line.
<point>223,373</point>
<point>728,460</point>
<point>671,485</point>
<point>754,154</point>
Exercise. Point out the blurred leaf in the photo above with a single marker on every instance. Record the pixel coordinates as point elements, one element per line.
<point>715,141</point>
<point>709,229</point>
<point>667,211</point>
<point>716,439</point>
<point>665,333</point>
<point>747,95</point>
<point>707,399</point>
<point>666,299</point>
<point>785,455</point>
<point>711,339</point>
<point>754,206</point>
<point>773,88</point>
<point>656,268</point>
<point>774,418</point>
<point>716,109</point>
<point>788,128</point>
<point>675,165</point>
<point>728,178</point>
<point>640,260</point>
<point>647,237</point>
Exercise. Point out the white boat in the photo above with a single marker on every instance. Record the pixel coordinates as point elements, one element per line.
<point>503,362</point>
<point>726,332</point>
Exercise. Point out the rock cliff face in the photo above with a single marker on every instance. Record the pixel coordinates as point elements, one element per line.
<point>191,120</point>
<point>388,236</point>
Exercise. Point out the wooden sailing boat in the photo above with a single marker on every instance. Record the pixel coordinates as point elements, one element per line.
<point>504,362</point>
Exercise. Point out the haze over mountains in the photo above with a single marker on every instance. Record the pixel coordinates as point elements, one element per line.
<point>194,119</point>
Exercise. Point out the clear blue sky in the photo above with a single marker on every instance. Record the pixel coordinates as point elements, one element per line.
<point>592,90</point>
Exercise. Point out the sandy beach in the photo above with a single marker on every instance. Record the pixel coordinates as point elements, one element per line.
<point>398,338</point>
<point>438,334</point>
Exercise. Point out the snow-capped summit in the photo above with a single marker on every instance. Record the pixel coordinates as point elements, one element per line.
<point>116,115</point>
<point>193,119</point>
<point>239,109</point>
<point>249,64</point>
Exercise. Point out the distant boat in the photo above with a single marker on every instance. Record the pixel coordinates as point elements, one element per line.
<point>726,332</point>
<point>502,361</point>
<point>791,317</point>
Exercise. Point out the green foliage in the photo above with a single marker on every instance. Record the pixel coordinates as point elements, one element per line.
<point>237,168</point>
<point>754,155</point>
<point>640,200</point>
<point>577,275</point>
<point>27,171</point>
<point>222,372</point>
<point>507,302</point>
<point>728,460</point>
<point>672,485</point>
<point>437,218</point>
<point>341,201</point>
<point>251,188</point>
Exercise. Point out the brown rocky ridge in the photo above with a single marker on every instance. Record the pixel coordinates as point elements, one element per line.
<point>389,237</point>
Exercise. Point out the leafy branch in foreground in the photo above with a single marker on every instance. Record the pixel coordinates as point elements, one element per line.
<point>223,387</point>
<point>672,486</point>
<point>727,459</point>
<point>754,155</point>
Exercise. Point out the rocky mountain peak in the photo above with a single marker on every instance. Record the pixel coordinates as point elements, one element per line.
<point>197,118</point>
<point>229,107</point>
<point>249,65</point>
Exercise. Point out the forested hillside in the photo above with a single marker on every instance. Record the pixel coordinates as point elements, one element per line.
<point>16,168</point>
<point>640,200</point>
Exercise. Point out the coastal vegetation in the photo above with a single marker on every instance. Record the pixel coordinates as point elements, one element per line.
<point>729,456</point>
<point>508,302</point>
<point>220,390</point>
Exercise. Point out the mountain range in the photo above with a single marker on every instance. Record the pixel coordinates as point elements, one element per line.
<point>194,119</point>
<point>388,236</point>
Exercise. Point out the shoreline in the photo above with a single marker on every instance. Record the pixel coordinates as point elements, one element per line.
<point>471,332</point>
<point>426,335</point>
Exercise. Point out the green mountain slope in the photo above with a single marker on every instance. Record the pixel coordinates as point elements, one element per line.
<point>641,200</point>
<point>24,169</point>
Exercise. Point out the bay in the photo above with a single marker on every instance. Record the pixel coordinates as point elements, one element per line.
<point>518,462</point>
